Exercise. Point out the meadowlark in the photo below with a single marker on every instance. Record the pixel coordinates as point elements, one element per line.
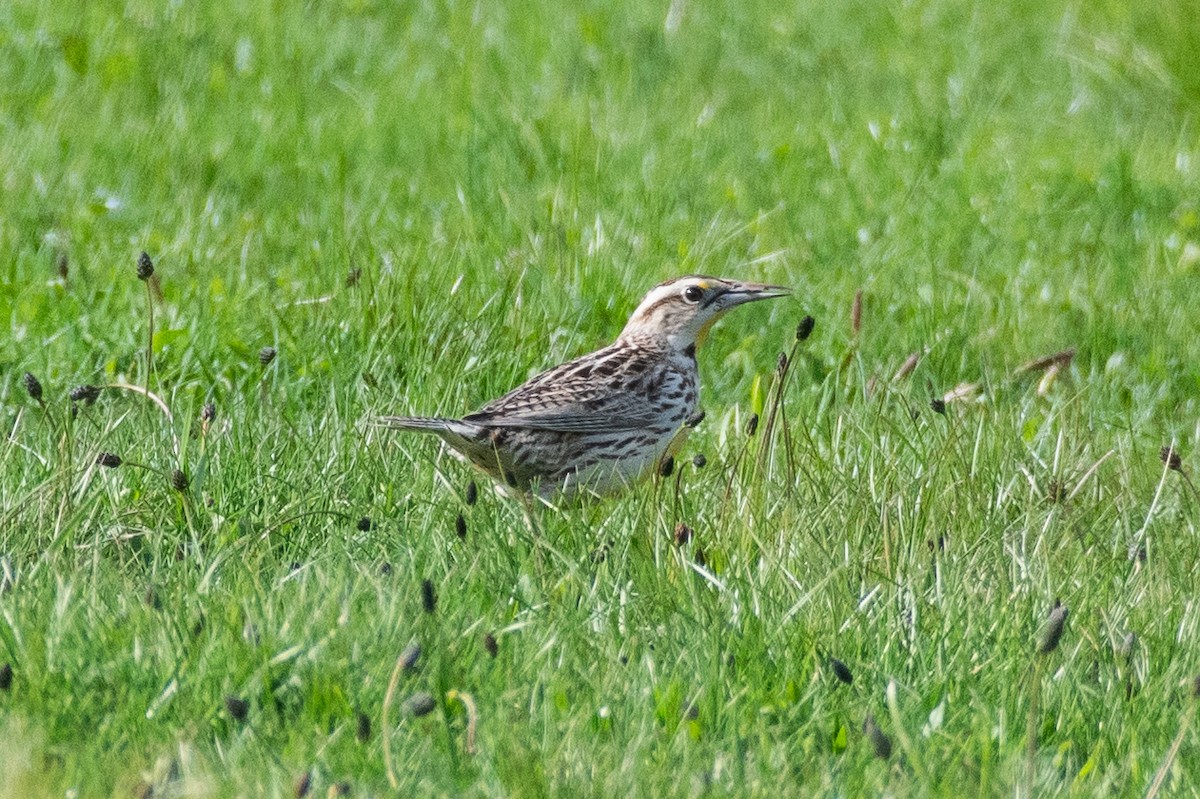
<point>606,420</point>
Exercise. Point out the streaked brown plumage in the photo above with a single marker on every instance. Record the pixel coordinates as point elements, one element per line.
<point>605,420</point>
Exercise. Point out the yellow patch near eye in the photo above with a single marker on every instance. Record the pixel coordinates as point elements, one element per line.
<point>704,284</point>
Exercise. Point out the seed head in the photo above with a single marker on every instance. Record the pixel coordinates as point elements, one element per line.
<point>781,363</point>
<point>63,264</point>
<point>208,413</point>
<point>906,368</point>
<point>421,703</point>
<point>409,657</point>
<point>938,405</point>
<point>490,645</point>
<point>1053,630</point>
<point>363,733</point>
<point>472,493</point>
<point>145,267</point>
<point>364,524</point>
<point>87,394</point>
<point>879,740</point>
<point>699,461</point>
<point>340,788</point>
<point>460,527</point>
<point>109,459</point>
<point>369,380</point>
<point>385,569</point>
<point>841,671</point>
<point>683,534</point>
<point>856,313</point>
<point>237,708</point>
<point>303,785</point>
<point>428,596</point>
<point>600,553</point>
<point>266,355</point>
<point>1171,458</point>
<point>6,677</point>
<point>32,386</point>
<point>752,425</point>
<point>666,466</point>
<point>805,328</point>
<point>179,480</point>
<point>352,278</point>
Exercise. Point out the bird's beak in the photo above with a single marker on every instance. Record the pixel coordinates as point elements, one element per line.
<point>741,293</point>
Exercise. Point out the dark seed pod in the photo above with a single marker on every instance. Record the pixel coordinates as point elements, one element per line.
<point>63,264</point>
<point>805,328</point>
<point>472,493</point>
<point>490,645</point>
<point>145,267</point>
<point>880,743</point>
<point>364,524</point>
<point>86,394</point>
<point>683,534</point>
<point>109,459</point>
<point>1171,458</point>
<point>781,363</point>
<point>6,677</point>
<point>340,788</point>
<point>699,461</point>
<point>841,671</point>
<point>938,405</point>
<point>1053,631</point>
<point>752,425</point>
<point>303,785</point>
<point>600,553</point>
<point>460,527</point>
<point>266,355</point>
<point>208,413</point>
<point>179,480</point>
<point>32,386</point>
<point>666,466</point>
<point>695,419</point>
<point>237,707</point>
<point>421,703</point>
<point>385,569</point>
<point>428,596</point>
<point>352,278</point>
<point>363,733</point>
<point>409,657</point>
<point>369,380</point>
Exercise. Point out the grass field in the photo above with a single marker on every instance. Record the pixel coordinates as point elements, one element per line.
<point>418,205</point>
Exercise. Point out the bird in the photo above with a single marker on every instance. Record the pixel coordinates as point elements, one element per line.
<point>608,419</point>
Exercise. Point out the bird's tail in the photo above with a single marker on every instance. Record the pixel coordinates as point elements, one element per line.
<point>423,424</point>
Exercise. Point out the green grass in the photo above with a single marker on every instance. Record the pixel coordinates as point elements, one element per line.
<point>1000,182</point>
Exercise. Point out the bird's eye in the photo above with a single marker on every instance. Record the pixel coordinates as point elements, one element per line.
<point>693,294</point>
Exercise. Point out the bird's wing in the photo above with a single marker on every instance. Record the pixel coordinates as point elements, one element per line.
<point>564,420</point>
<point>571,398</point>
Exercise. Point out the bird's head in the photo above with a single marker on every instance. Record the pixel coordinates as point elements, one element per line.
<point>679,312</point>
